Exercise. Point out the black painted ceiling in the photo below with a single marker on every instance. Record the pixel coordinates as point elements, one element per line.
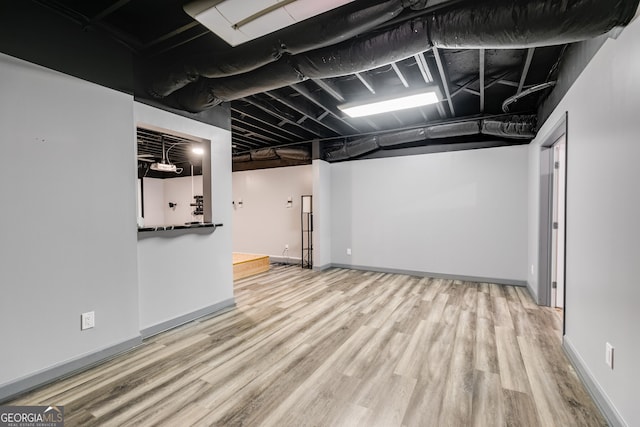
<point>474,82</point>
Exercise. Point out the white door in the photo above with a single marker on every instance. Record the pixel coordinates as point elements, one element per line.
<point>558,233</point>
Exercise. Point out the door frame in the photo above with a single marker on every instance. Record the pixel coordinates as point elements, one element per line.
<point>545,249</point>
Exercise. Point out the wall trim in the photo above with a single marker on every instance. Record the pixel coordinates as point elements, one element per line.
<point>497,281</point>
<point>601,399</point>
<point>533,293</point>
<point>322,267</point>
<point>214,309</point>
<point>63,370</point>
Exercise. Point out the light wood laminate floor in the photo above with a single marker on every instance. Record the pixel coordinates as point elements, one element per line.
<point>343,348</point>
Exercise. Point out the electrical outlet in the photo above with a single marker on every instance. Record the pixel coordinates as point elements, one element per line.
<point>87,320</point>
<point>609,355</point>
<point>348,251</point>
<point>286,247</point>
<point>532,270</point>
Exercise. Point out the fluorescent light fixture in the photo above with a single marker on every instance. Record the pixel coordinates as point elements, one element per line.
<point>198,150</point>
<point>391,104</point>
<point>239,21</point>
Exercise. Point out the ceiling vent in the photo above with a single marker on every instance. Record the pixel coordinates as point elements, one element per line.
<point>239,21</point>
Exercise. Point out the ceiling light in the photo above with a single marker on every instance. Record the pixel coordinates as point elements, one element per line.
<point>391,104</point>
<point>238,21</point>
<point>198,150</point>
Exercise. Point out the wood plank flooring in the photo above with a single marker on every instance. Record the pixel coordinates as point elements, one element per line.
<point>342,348</point>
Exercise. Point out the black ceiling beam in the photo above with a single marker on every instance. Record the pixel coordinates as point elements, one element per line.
<point>261,131</point>
<point>270,110</point>
<point>423,66</point>
<point>302,90</point>
<point>330,88</point>
<point>125,39</point>
<point>525,68</point>
<point>333,90</point>
<point>108,11</point>
<point>481,67</point>
<point>465,86</point>
<point>366,81</point>
<point>305,111</point>
<point>401,76</point>
<point>278,126</point>
<point>250,133</point>
<point>171,34</point>
<point>443,78</point>
<point>238,143</point>
<point>242,140</point>
<point>180,43</point>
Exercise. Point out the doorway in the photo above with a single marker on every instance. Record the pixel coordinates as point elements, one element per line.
<point>552,226</point>
<point>558,222</point>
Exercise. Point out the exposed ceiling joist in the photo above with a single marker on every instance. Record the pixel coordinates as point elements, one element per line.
<point>366,81</point>
<point>270,110</point>
<point>303,110</point>
<point>172,34</point>
<point>108,11</point>
<point>330,88</point>
<point>302,90</point>
<point>401,76</point>
<point>279,126</point>
<point>250,133</point>
<point>444,79</point>
<point>525,69</point>
<point>421,61</point>
<point>259,130</point>
<point>481,60</point>
<point>508,83</point>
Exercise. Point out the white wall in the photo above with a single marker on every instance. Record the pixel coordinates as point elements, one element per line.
<point>182,274</point>
<point>458,213</point>
<point>264,225</point>
<point>179,190</point>
<point>68,227</point>
<point>321,214</point>
<point>153,198</point>
<point>603,211</point>
<point>158,193</point>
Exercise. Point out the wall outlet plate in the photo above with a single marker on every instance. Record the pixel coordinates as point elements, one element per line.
<point>609,355</point>
<point>348,251</point>
<point>87,320</point>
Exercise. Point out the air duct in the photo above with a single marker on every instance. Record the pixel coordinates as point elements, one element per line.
<point>511,127</point>
<point>327,29</point>
<point>496,23</point>
<point>290,153</point>
<point>284,153</point>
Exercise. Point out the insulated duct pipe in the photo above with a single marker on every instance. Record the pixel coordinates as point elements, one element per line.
<point>491,24</point>
<point>284,153</point>
<point>328,29</point>
<point>513,127</point>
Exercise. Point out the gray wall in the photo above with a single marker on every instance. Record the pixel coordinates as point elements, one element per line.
<point>458,213</point>
<point>603,227</point>
<point>68,228</point>
<point>321,214</point>
<point>183,274</point>
<point>264,224</point>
